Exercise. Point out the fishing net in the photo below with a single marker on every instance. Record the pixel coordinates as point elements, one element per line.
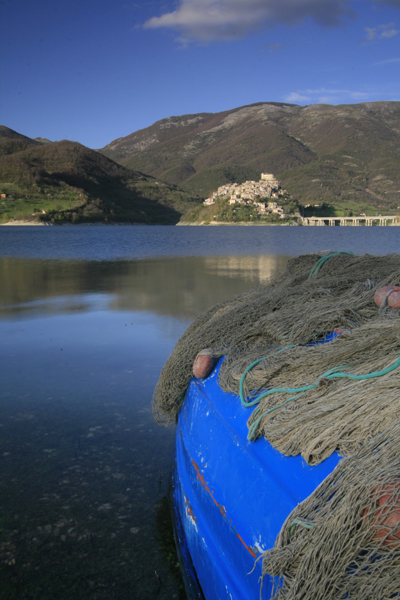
<point>341,393</point>
<point>291,309</point>
<point>343,542</point>
<point>313,398</point>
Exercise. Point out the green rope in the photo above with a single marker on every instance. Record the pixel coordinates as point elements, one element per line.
<point>257,399</point>
<point>331,374</point>
<point>314,272</point>
<point>320,262</point>
<point>335,373</point>
<point>254,425</point>
<point>181,397</point>
<point>296,522</point>
<point>243,377</point>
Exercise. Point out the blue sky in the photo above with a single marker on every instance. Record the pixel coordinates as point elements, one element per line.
<point>96,70</point>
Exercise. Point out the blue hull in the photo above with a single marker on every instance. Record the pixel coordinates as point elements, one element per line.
<point>231,496</point>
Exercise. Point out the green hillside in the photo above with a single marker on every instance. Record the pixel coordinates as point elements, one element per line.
<point>65,182</point>
<point>345,158</point>
<point>332,160</point>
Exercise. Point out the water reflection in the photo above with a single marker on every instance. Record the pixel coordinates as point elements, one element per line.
<point>178,287</point>
<point>254,269</point>
<point>84,468</point>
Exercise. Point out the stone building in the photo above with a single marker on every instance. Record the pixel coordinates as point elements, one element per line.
<point>266,187</point>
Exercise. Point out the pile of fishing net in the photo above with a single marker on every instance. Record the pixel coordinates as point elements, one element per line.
<point>343,542</point>
<point>313,398</point>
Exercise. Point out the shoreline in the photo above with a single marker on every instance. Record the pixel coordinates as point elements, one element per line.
<point>20,223</point>
<point>100,223</point>
<point>121,224</point>
<point>243,224</point>
<point>179,224</point>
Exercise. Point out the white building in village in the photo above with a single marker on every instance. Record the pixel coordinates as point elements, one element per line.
<point>250,192</point>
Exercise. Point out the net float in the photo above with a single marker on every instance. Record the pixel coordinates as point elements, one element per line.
<point>394,299</point>
<point>388,293</point>
<point>385,519</point>
<point>203,364</point>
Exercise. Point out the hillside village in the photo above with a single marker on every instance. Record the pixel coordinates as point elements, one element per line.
<point>253,193</point>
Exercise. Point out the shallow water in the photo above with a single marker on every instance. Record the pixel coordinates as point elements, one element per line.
<point>88,317</point>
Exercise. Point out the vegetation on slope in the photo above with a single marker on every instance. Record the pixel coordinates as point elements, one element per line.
<point>223,212</point>
<point>65,182</point>
<point>358,157</point>
<point>346,157</point>
<point>335,160</point>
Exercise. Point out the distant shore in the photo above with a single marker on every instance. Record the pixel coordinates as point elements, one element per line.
<point>34,223</point>
<point>224,223</point>
<point>200,224</point>
<point>181,224</point>
<point>101,223</point>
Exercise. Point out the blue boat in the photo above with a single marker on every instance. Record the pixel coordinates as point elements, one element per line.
<point>231,496</point>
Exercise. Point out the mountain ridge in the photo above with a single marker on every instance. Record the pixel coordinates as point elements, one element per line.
<point>346,154</point>
<point>67,182</point>
<point>333,160</point>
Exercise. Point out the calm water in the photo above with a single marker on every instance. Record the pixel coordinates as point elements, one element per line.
<point>88,317</point>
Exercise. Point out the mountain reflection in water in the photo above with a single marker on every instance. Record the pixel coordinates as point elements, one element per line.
<point>84,469</point>
<point>176,287</point>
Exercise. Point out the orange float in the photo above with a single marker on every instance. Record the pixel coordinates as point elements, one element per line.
<point>203,364</point>
<point>386,519</point>
<point>393,299</point>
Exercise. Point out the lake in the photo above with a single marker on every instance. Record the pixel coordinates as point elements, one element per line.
<point>88,317</point>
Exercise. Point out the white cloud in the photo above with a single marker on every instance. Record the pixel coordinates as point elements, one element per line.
<point>380,31</point>
<point>371,34</point>
<point>387,61</point>
<point>389,33</point>
<point>359,96</point>
<point>326,96</point>
<point>208,20</point>
<point>295,97</point>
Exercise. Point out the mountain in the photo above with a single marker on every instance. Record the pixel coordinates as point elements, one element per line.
<point>344,158</point>
<point>11,141</point>
<point>65,181</point>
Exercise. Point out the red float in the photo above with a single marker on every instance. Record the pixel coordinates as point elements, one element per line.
<point>203,364</point>
<point>393,299</point>
<point>385,521</point>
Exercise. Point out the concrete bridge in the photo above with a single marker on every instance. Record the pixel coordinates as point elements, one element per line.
<point>352,221</point>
